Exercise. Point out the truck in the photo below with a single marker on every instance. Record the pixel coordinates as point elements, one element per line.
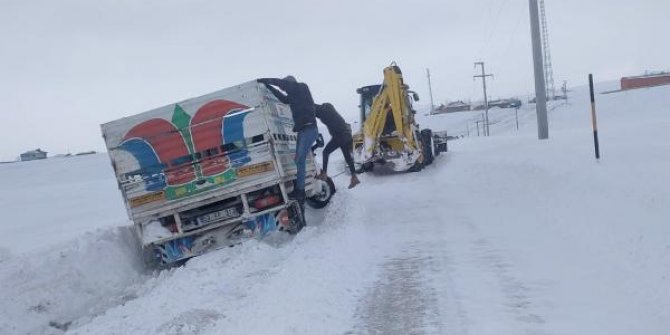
<point>210,172</point>
<point>389,133</point>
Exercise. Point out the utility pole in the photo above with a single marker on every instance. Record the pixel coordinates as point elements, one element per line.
<point>540,92</point>
<point>548,71</point>
<point>430,90</point>
<point>486,99</point>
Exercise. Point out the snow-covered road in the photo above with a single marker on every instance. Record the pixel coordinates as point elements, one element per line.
<point>442,275</point>
<point>505,235</point>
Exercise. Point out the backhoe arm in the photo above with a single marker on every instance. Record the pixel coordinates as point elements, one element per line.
<point>392,99</point>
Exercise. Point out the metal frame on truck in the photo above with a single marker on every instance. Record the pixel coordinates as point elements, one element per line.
<point>209,172</point>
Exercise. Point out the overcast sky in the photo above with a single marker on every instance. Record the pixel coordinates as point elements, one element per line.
<point>68,66</point>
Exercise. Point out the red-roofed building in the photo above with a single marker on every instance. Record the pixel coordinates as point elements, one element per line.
<point>650,80</point>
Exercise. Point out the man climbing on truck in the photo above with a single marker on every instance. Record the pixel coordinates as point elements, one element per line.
<point>299,98</point>
<point>340,133</point>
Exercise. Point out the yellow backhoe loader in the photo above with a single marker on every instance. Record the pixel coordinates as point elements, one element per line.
<point>389,133</point>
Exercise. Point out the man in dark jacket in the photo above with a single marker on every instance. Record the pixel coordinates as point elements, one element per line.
<point>299,98</point>
<point>340,133</point>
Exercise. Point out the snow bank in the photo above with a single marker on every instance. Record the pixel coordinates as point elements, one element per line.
<point>44,292</point>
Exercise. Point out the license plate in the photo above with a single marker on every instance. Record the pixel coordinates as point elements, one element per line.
<point>218,215</point>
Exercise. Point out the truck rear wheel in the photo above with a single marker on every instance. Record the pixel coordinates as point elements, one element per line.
<point>325,191</point>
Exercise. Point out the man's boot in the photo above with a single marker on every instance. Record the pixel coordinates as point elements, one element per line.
<point>354,181</point>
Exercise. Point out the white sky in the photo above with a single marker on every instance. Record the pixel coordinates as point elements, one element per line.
<point>69,65</point>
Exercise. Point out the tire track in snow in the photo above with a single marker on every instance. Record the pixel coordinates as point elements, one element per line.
<point>400,302</point>
<point>444,276</point>
<point>406,299</point>
<point>511,299</point>
<point>516,292</point>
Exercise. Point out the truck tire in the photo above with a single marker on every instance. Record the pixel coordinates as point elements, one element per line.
<point>427,144</point>
<point>321,199</point>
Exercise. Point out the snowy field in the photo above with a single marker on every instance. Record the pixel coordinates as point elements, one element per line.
<point>502,235</point>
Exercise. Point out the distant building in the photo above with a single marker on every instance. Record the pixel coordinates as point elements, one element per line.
<point>457,106</point>
<point>647,80</point>
<point>452,107</point>
<point>500,103</point>
<point>33,155</point>
<point>505,103</point>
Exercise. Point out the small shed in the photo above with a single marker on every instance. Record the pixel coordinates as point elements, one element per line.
<point>33,155</point>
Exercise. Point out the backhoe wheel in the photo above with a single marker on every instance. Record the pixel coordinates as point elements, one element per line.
<point>427,144</point>
<point>366,167</point>
<point>323,193</point>
<point>418,166</point>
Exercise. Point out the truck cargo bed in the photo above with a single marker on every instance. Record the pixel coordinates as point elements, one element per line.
<point>207,172</point>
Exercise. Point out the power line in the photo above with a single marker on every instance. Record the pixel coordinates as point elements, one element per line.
<point>492,28</point>
<point>520,13</point>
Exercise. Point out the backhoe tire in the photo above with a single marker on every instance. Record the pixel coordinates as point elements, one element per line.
<point>418,166</point>
<point>427,144</point>
<point>366,167</point>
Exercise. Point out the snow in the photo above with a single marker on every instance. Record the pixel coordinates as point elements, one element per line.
<point>56,200</point>
<point>502,235</point>
<point>154,231</point>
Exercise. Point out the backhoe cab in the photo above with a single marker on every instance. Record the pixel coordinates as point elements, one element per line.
<point>389,132</point>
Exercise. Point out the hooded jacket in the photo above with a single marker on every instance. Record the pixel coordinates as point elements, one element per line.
<point>298,97</point>
<point>333,120</point>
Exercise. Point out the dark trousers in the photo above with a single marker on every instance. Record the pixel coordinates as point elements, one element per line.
<point>343,142</point>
